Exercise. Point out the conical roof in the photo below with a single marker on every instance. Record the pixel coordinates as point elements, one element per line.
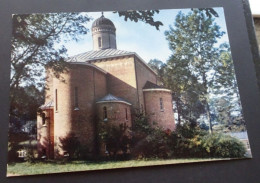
<point>111,98</point>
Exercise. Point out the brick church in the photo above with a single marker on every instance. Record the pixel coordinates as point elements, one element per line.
<point>105,85</point>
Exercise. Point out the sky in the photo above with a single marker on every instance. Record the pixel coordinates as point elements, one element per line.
<point>255,6</point>
<point>140,37</point>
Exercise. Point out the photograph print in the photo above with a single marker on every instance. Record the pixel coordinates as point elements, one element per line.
<point>106,90</point>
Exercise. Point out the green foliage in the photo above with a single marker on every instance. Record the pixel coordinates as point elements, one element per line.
<point>192,42</point>
<point>24,103</point>
<point>12,151</point>
<point>141,124</point>
<point>71,145</point>
<point>224,146</point>
<point>83,152</point>
<point>186,141</point>
<point>201,73</point>
<point>29,155</point>
<point>154,145</point>
<point>115,138</point>
<point>34,42</point>
<point>14,139</point>
<point>145,16</point>
<point>148,141</point>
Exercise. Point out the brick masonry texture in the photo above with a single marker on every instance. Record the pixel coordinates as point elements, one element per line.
<point>76,92</point>
<point>143,74</point>
<point>164,118</point>
<point>125,78</point>
<point>121,79</point>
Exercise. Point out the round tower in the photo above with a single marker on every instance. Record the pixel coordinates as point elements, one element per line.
<point>103,34</point>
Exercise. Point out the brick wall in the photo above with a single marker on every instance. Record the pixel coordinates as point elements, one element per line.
<point>143,74</point>
<point>121,80</point>
<point>45,133</point>
<point>165,117</point>
<point>116,115</point>
<point>91,85</point>
<point>48,86</point>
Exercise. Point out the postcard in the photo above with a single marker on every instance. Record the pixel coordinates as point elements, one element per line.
<point>119,89</point>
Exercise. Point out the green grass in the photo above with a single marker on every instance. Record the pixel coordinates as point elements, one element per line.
<point>25,168</point>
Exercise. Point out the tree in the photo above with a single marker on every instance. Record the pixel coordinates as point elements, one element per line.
<point>115,138</point>
<point>71,145</point>
<point>34,43</point>
<point>226,100</point>
<point>35,37</point>
<point>193,43</point>
<point>159,67</point>
<point>145,16</point>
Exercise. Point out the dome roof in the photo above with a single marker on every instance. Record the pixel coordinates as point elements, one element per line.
<point>102,21</point>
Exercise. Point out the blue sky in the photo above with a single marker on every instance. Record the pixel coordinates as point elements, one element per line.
<point>141,38</point>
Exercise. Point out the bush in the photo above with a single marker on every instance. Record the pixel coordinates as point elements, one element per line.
<point>29,156</point>
<point>154,145</point>
<point>115,138</point>
<point>186,141</point>
<point>12,152</point>
<point>71,145</point>
<point>223,146</point>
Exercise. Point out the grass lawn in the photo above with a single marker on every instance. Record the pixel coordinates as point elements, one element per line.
<point>25,168</point>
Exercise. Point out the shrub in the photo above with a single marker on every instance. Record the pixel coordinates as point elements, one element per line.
<point>12,152</point>
<point>154,145</point>
<point>71,145</point>
<point>29,156</point>
<point>149,141</point>
<point>186,141</point>
<point>223,146</point>
<point>114,137</point>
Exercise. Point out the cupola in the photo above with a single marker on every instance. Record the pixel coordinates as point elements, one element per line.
<point>103,34</point>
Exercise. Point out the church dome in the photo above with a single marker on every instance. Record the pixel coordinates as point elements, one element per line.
<point>102,21</point>
<point>103,34</point>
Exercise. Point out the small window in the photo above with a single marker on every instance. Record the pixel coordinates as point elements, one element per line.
<point>126,117</point>
<point>56,99</point>
<point>99,42</point>
<point>43,119</point>
<point>105,113</point>
<point>76,102</point>
<point>161,104</point>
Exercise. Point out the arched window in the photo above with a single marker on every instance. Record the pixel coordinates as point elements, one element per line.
<point>161,104</point>
<point>104,113</point>
<point>99,42</point>
<point>76,101</point>
<point>43,119</point>
<point>56,99</point>
<point>126,117</point>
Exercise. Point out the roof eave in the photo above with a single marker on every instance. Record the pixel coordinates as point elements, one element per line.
<point>87,64</point>
<point>100,102</point>
<point>157,89</point>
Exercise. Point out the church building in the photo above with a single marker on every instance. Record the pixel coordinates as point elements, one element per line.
<point>105,85</point>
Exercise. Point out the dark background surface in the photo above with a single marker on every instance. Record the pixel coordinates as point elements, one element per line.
<point>243,44</point>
